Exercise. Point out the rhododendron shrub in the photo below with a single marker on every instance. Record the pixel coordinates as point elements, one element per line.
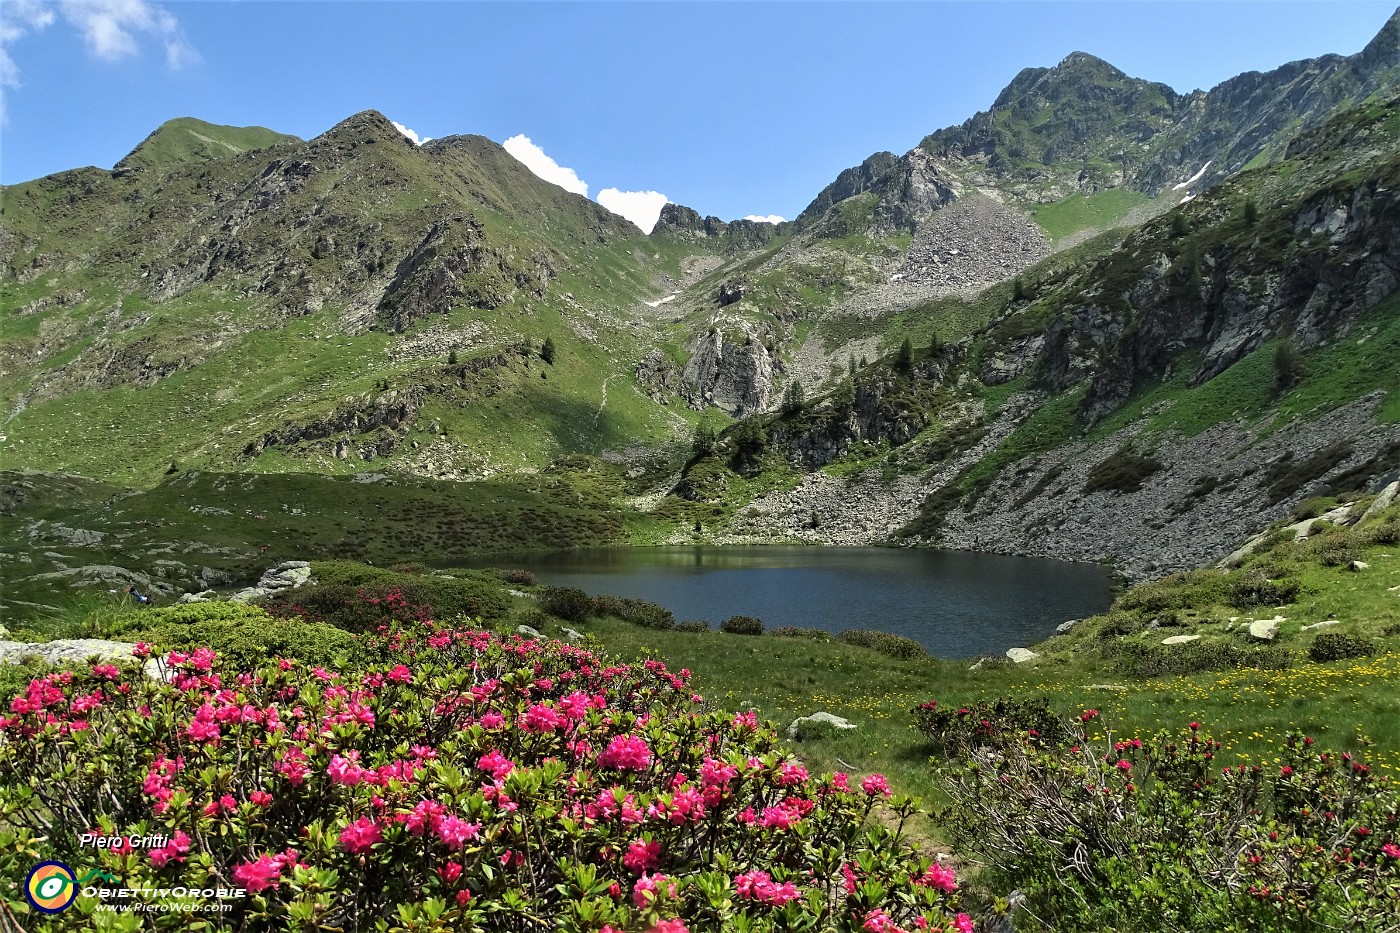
<point>452,781</point>
<point>1162,834</point>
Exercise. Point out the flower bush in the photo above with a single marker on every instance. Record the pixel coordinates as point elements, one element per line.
<point>450,780</point>
<point>1157,834</point>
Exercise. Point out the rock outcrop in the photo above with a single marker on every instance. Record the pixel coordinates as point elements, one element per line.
<point>733,376</point>
<point>288,575</point>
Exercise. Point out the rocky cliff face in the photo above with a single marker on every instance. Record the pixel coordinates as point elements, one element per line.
<point>682,223</point>
<point>1084,126</point>
<point>735,376</point>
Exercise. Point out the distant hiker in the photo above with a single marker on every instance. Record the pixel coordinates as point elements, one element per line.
<point>139,597</point>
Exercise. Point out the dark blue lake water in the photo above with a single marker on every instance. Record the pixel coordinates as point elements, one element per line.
<point>956,604</point>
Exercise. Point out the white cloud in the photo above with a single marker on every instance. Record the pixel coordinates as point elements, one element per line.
<point>417,140</point>
<point>542,165</point>
<point>640,207</point>
<point>769,219</point>
<point>110,29</point>
<point>20,18</point>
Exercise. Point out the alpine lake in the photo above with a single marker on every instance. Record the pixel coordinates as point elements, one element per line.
<point>956,604</point>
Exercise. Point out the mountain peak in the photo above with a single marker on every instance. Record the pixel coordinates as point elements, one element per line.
<point>187,139</point>
<point>1384,47</point>
<point>367,126</point>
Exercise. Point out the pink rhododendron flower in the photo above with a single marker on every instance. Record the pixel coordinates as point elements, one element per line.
<point>260,798</point>
<point>963,924</point>
<point>651,888</point>
<point>1391,849</point>
<point>759,886</point>
<point>360,836</point>
<point>877,921</point>
<point>626,753</point>
<point>875,784</point>
<point>346,770</point>
<point>674,925</point>
<point>456,832</point>
<point>255,876</point>
<point>173,851</point>
<point>938,876</point>
<point>496,764</point>
<point>642,857</point>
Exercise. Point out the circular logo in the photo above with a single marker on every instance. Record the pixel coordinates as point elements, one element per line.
<point>51,887</point>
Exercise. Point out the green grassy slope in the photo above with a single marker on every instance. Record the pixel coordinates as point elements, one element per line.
<point>186,139</point>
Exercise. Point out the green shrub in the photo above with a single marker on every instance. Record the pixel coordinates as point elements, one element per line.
<point>1178,591</point>
<point>1137,659</point>
<point>1312,508</point>
<point>742,625</point>
<point>366,607</point>
<point>251,639</point>
<point>1286,477</point>
<point>188,614</point>
<point>567,602</point>
<point>693,626</point>
<point>896,646</point>
<point>1338,646</point>
<point>1124,471</point>
<point>1152,833</point>
<point>1121,624</point>
<point>635,611</point>
<point>1387,532</point>
<point>1252,588</point>
<point>959,732</point>
<point>536,618</point>
<point>792,631</point>
<point>1332,550</point>
<point>516,576</point>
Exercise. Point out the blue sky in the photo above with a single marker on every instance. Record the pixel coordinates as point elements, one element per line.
<point>731,108</point>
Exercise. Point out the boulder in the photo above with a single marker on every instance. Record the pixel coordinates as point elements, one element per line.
<point>1180,639</point>
<point>1386,497</point>
<point>1265,629</point>
<point>1064,627</point>
<point>287,575</point>
<point>825,717</point>
<point>1323,624</point>
<point>201,597</point>
<point>573,634</point>
<point>1358,566</point>
<point>527,631</point>
<point>66,649</point>
<point>70,651</point>
<point>1021,655</point>
<point>730,292</point>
